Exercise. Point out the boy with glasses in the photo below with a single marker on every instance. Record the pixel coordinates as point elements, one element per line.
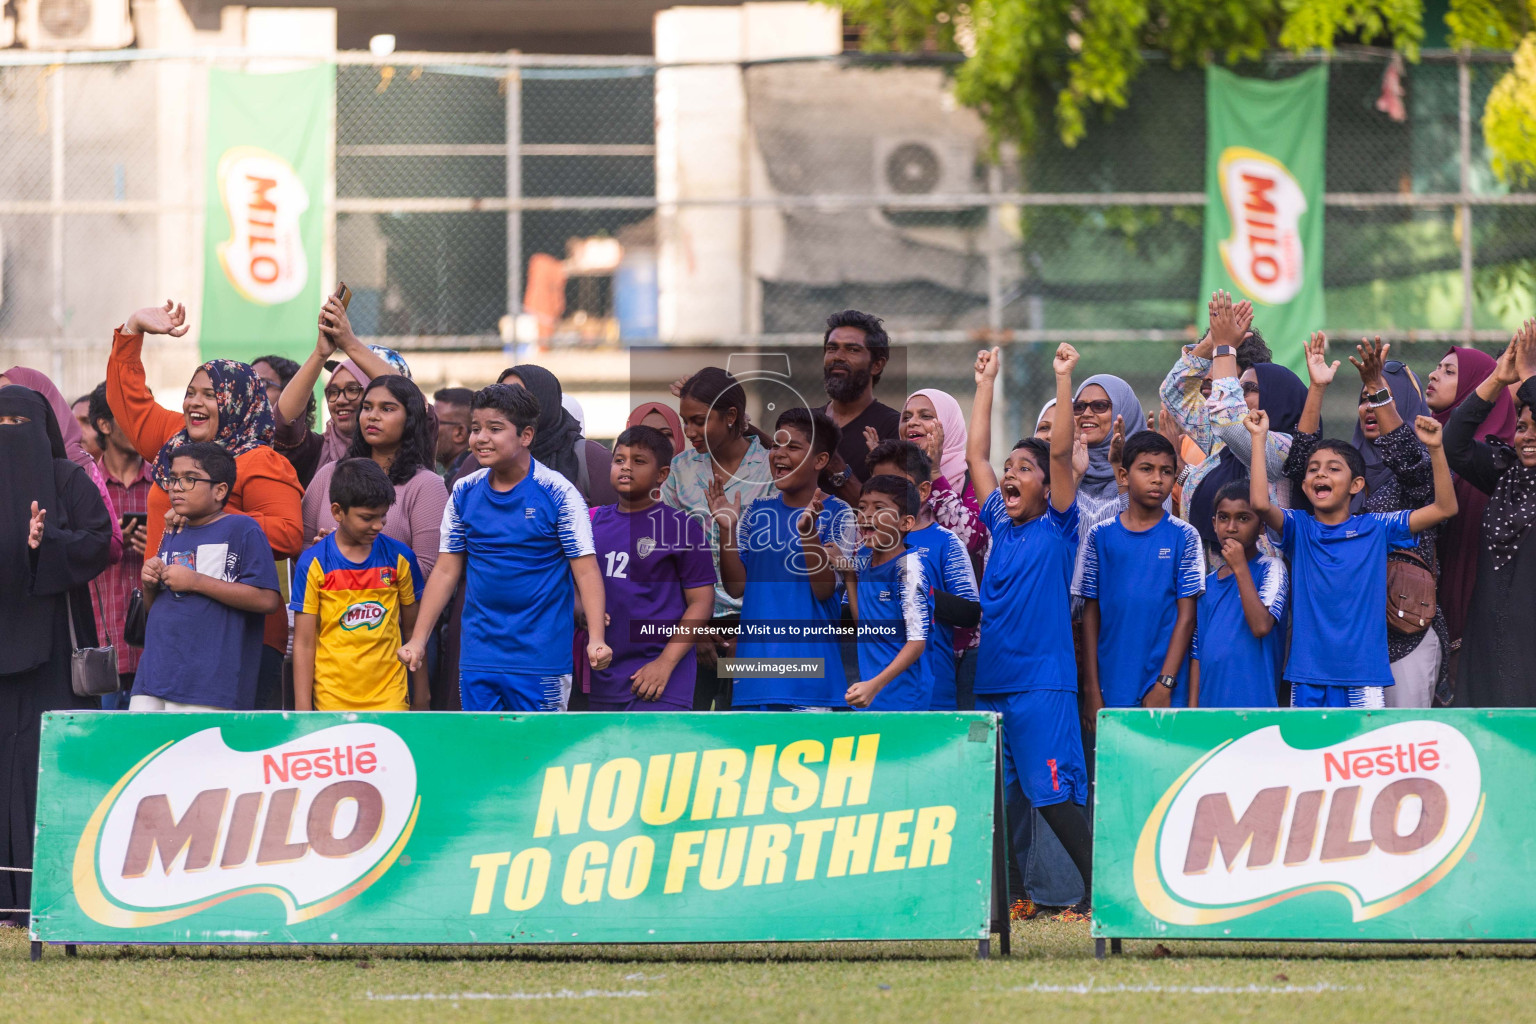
<point>207,592</point>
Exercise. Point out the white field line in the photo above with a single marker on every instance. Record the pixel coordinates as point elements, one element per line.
<point>1091,989</point>
<point>564,993</point>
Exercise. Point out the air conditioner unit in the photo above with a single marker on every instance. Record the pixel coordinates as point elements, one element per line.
<point>909,167</point>
<point>74,24</point>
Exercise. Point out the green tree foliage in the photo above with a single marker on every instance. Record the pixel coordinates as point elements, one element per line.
<point>1509,118</point>
<point>1047,65</point>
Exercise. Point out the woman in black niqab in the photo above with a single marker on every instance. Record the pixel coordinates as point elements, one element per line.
<point>35,656</point>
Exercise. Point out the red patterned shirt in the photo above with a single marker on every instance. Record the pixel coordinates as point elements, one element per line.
<point>110,591</point>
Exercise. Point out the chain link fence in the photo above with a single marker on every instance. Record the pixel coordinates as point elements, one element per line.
<point>586,205</point>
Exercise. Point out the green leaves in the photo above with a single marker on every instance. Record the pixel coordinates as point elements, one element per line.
<point>1052,64</point>
<point>1509,119</point>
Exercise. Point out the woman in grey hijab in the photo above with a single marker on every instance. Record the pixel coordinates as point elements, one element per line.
<point>1101,402</point>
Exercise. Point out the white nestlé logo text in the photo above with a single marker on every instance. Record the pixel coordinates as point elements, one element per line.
<point>1264,202</point>
<point>313,822</point>
<point>1379,819</point>
<point>264,257</point>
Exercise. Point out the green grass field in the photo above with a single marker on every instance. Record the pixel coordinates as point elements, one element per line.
<point>1052,976</point>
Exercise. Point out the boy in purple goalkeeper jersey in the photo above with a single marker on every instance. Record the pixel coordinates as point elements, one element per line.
<point>657,574</point>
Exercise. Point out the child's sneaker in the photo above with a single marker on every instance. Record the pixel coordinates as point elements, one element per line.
<point>1076,913</point>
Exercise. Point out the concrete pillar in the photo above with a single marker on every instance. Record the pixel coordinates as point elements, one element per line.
<point>704,150</point>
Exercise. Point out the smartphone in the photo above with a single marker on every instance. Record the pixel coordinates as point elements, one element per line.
<point>133,519</point>
<point>343,293</point>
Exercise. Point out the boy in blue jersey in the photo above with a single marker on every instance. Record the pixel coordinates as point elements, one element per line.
<point>1140,575</point>
<point>1338,653</point>
<point>1239,648</point>
<point>1025,668</point>
<point>945,562</point>
<point>892,601</point>
<point>521,532</point>
<point>781,556</point>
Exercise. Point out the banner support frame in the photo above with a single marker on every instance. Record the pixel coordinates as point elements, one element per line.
<point>1000,921</point>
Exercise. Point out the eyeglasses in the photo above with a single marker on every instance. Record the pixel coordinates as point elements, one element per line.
<point>1100,406</point>
<point>352,392</point>
<point>186,481</point>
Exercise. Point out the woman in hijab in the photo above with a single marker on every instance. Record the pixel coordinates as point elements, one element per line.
<point>74,446</point>
<point>1449,385</point>
<point>1267,386</point>
<point>932,420</point>
<point>1398,477</point>
<point>226,403</point>
<point>46,560</point>
<point>1500,645</point>
<point>557,440</point>
<point>1103,407</point>
<point>661,417</point>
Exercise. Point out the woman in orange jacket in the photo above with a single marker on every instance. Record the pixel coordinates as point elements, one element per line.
<point>226,403</point>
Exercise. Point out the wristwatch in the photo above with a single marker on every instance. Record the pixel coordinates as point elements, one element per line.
<point>1377,399</point>
<point>1166,682</point>
<point>841,477</point>
<point>1225,350</point>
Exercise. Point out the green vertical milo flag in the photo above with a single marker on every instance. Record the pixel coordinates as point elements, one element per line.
<point>267,138</point>
<point>1264,202</point>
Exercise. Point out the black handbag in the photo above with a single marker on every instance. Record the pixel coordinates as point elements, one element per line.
<point>92,670</point>
<point>134,620</point>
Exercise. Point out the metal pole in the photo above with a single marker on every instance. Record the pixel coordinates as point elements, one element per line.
<point>514,84</point>
<point>994,250</point>
<point>56,130</point>
<point>1464,133</point>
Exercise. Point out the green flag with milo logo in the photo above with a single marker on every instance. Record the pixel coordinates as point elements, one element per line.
<point>265,211</point>
<point>1264,202</point>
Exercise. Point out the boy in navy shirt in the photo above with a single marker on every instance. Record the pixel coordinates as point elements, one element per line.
<point>781,556</point>
<point>1339,568</point>
<point>1141,572</point>
<point>947,566</point>
<point>1025,667</point>
<point>207,592</point>
<point>1239,647</point>
<point>658,580</point>
<point>892,601</point>
<point>521,532</point>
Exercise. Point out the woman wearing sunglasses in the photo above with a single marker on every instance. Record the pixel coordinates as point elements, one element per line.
<point>1398,477</point>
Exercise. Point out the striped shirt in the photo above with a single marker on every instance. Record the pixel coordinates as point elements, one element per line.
<point>111,590</point>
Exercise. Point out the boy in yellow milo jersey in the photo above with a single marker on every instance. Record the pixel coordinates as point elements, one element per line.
<point>354,598</point>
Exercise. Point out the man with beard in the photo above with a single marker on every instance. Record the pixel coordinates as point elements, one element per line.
<point>855,350</point>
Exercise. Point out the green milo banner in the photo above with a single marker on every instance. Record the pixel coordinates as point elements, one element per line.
<point>1264,202</point>
<point>459,828</point>
<point>265,211</point>
<point>1292,824</point>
